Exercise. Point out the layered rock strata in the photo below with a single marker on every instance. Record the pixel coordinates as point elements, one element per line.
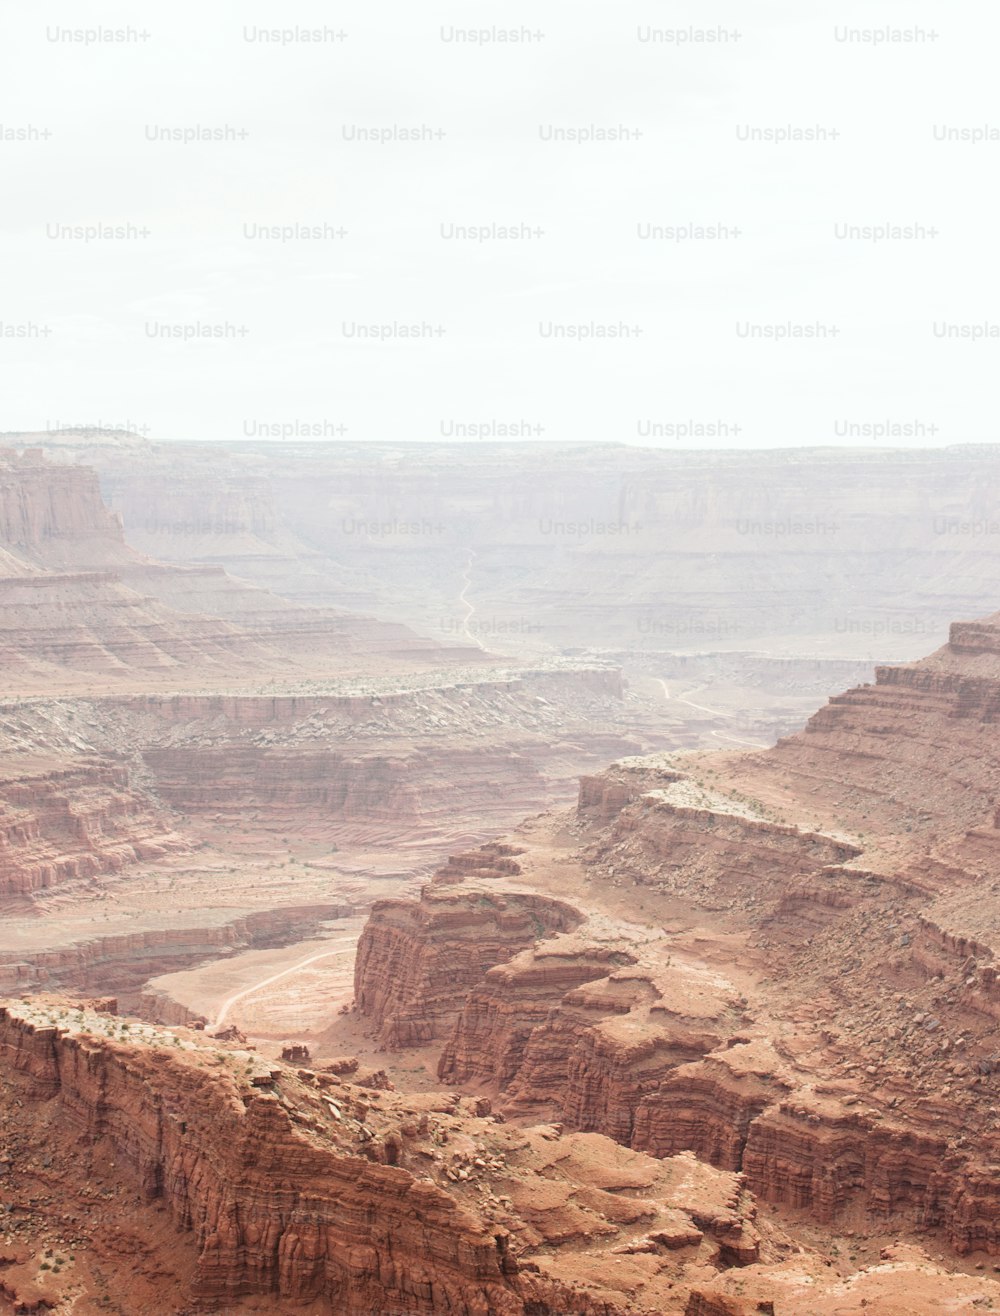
<point>604,1029</point>
<point>298,1186</point>
<point>67,822</point>
<point>892,535</point>
<point>417,959</point>
<point>123,963</point>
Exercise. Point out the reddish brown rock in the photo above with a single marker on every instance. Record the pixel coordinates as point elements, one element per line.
<point>417,959</point>
<point>67,822</point>
<point>515,999</point>
<point>908,756</point>
<point>297,1187</point>
<point>709,1106</point>
<point>709,855</point>
<point>274,1211</point>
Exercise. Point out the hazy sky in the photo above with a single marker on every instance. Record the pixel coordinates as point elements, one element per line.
<point>784,316</point>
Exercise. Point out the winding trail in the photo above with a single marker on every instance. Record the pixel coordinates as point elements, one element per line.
<point>470,610</point>
<point>718,712</point>
<point>266,982</point>
<point>755,744</point>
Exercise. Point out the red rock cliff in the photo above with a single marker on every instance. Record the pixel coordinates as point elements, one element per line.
<point>417,959</point>
<point>299,1187</point>
<point>74,821</point>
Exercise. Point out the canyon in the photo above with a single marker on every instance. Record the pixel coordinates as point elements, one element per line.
<point>449,913</point>
<point>796,985</point>
<point>857,554</point>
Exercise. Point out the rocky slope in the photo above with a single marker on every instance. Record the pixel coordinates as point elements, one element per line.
<point>294,715</point>
<point>721,979</point>
<point>94,784</point>
<point>158,1169</point>
<point>62,823</point>
<point>908,757</point>
<point>161,1170</point>
<point>829,1031</point>
<point>299,1187</point>
<point>666,1057</point>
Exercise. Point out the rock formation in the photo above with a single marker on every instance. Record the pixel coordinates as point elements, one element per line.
<point>722,979</point>
<point>830,1094</point>
<point>899,538</point>
<point>84,610</point>
<point>60,823</point>
<point>123,963</point>
<point>299,1186</point>
<point>416,959</point>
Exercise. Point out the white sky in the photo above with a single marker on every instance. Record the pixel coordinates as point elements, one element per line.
<point>101,300</point>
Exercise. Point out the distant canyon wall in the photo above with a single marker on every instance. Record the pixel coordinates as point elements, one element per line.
<point>863,552</point>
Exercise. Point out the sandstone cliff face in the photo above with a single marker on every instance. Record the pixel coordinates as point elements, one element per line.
<point>405,790</point>
<point>66,607</point>
<point>274,1211</point>
<point>603,795</point>
<point>95,629</point>
<point>46,509</point>
<point>910,756</point>
<point>602,1038</point>
<point>299,1187</point>
<point>599,1032</point>
<point>806,1153</point>
<point>70,822</point>
<point>328,784</point>
<point>394,757</point>
<point>416,960</point>
<point>79,632</point>
<point>711,855</point>
<point>605,1034</point>
<point>710,1105</point>
<point>381,765</point>
<point>82,608</point>
<point>515,999</point>
<point>821,856</point>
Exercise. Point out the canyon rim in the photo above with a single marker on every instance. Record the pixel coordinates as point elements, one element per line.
<point>349,965</point>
